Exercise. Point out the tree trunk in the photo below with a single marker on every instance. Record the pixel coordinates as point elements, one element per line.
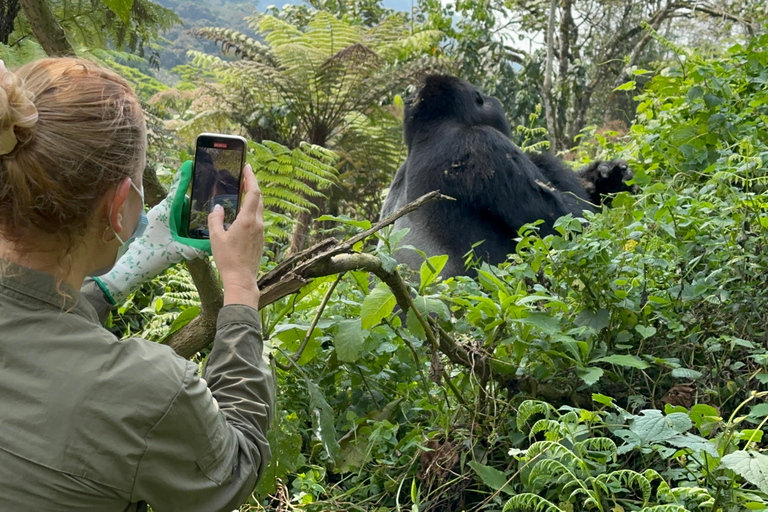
<point>566,86</point>
<point>301,231</point>
<point>547,97</point>
<point>319,137</point>
<point>9,9</point>
<point>47,29</point>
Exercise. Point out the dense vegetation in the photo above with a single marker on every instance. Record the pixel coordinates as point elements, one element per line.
<point>617,366</point>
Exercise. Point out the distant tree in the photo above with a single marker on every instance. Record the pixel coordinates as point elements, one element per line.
<point>324,83</point>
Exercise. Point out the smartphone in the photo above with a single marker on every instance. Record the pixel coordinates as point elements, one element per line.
<point>216,179</point>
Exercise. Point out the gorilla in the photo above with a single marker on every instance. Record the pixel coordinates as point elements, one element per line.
<point>458,143</point>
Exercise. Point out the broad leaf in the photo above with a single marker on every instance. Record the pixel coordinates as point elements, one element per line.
<point>428,275</point>
<point>597,320</point>
<point>377,306</point>
<point>645,332</point>
<point>652,426</point>
<point>492,477</point>
<point>349,340</point>
<point>624,360</point>
<point>751,465</point>
<point>322,420</point>
<point>183,319</point>
<point>590,375</point>
<point>694,443</point>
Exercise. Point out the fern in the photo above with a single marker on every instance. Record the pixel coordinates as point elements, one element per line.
<point>530,502</point>
<point>284,175</point>
<point>530,407</point>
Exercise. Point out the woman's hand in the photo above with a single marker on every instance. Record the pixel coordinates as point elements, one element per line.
<point>237,251</point>
<point>151,254</point>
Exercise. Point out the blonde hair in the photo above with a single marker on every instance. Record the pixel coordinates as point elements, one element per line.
<point>88,134</point>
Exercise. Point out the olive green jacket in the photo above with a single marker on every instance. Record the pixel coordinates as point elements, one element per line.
<point>92,423</point>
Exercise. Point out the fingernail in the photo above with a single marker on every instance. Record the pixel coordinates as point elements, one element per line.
<point>217,208</point>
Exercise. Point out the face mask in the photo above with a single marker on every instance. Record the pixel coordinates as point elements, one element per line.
<point>141,227</point>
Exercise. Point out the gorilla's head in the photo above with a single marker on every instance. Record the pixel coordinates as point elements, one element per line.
<point>448,98</point>
<point>610,178</point>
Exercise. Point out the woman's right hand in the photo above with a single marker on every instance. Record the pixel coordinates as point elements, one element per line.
<point>237,251</point>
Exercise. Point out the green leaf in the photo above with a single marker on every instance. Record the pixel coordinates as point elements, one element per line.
<point>758,411</point>
<point>428,275</point>
<point>629,86</point>
<point>751,465</point>
<point>694,443</point>
<point>624,360</point>
<point>645,332</point>
<point>183,319</point>
<point>425,307</point>
<point>597,320</point>
<point>544,322</point>
<point>492,477</point>
<point>376,306</point>
<point>602,399</point>
<point>652,426</point>
<point>121,7</point>
<point>349,340</point>
<point>322,419</point>
<point>685,373</point>
<point>590,375</point>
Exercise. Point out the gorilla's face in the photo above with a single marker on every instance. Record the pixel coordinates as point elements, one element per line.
<point>447,98</point>
<point>612,177</point>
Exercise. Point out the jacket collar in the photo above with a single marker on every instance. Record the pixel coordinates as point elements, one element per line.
<point>43,288</point>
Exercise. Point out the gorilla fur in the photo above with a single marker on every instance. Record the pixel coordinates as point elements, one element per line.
<point>458,143</point>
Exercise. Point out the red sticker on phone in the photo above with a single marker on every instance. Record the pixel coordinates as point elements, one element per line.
<point>222,145</point>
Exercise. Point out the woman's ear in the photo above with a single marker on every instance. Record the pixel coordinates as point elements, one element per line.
<point>116,198</point>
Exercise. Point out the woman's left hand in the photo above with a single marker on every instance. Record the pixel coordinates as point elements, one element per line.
<point>151,254</point>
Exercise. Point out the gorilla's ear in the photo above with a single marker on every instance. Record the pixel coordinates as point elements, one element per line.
<point>604,169</point>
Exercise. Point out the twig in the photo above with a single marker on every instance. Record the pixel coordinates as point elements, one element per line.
<point>316,319</point>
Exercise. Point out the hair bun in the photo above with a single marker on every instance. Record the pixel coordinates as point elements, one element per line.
<point>18,113</point>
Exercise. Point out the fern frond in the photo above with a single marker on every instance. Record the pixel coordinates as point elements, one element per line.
<point>529,502</point>
<point>554,450</point>
<point>551,427</point>
<point>242,45</point>
<point>596,444</point>
<point>627,478</point>
<point>531,407</point>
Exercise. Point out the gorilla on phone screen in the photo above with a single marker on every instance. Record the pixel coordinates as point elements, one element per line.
<point>458,143</point>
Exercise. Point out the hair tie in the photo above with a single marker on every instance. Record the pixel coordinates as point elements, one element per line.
<point>21,111</point>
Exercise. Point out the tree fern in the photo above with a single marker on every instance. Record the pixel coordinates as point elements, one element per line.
<point>320,83</point>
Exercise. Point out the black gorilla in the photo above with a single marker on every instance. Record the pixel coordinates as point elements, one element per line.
<point>458,143</point>
<point>602,179</point>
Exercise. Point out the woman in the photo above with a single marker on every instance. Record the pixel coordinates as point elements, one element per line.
<point>88,422</point>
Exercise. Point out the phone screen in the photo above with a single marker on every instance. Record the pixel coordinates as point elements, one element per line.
<point>216,180</point>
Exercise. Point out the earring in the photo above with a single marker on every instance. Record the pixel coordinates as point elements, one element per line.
<point>105,232</point>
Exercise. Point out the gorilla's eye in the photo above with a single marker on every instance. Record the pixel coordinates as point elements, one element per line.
<point>479,98</point>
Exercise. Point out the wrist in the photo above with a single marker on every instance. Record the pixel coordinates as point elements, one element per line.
<point>242,293</point>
